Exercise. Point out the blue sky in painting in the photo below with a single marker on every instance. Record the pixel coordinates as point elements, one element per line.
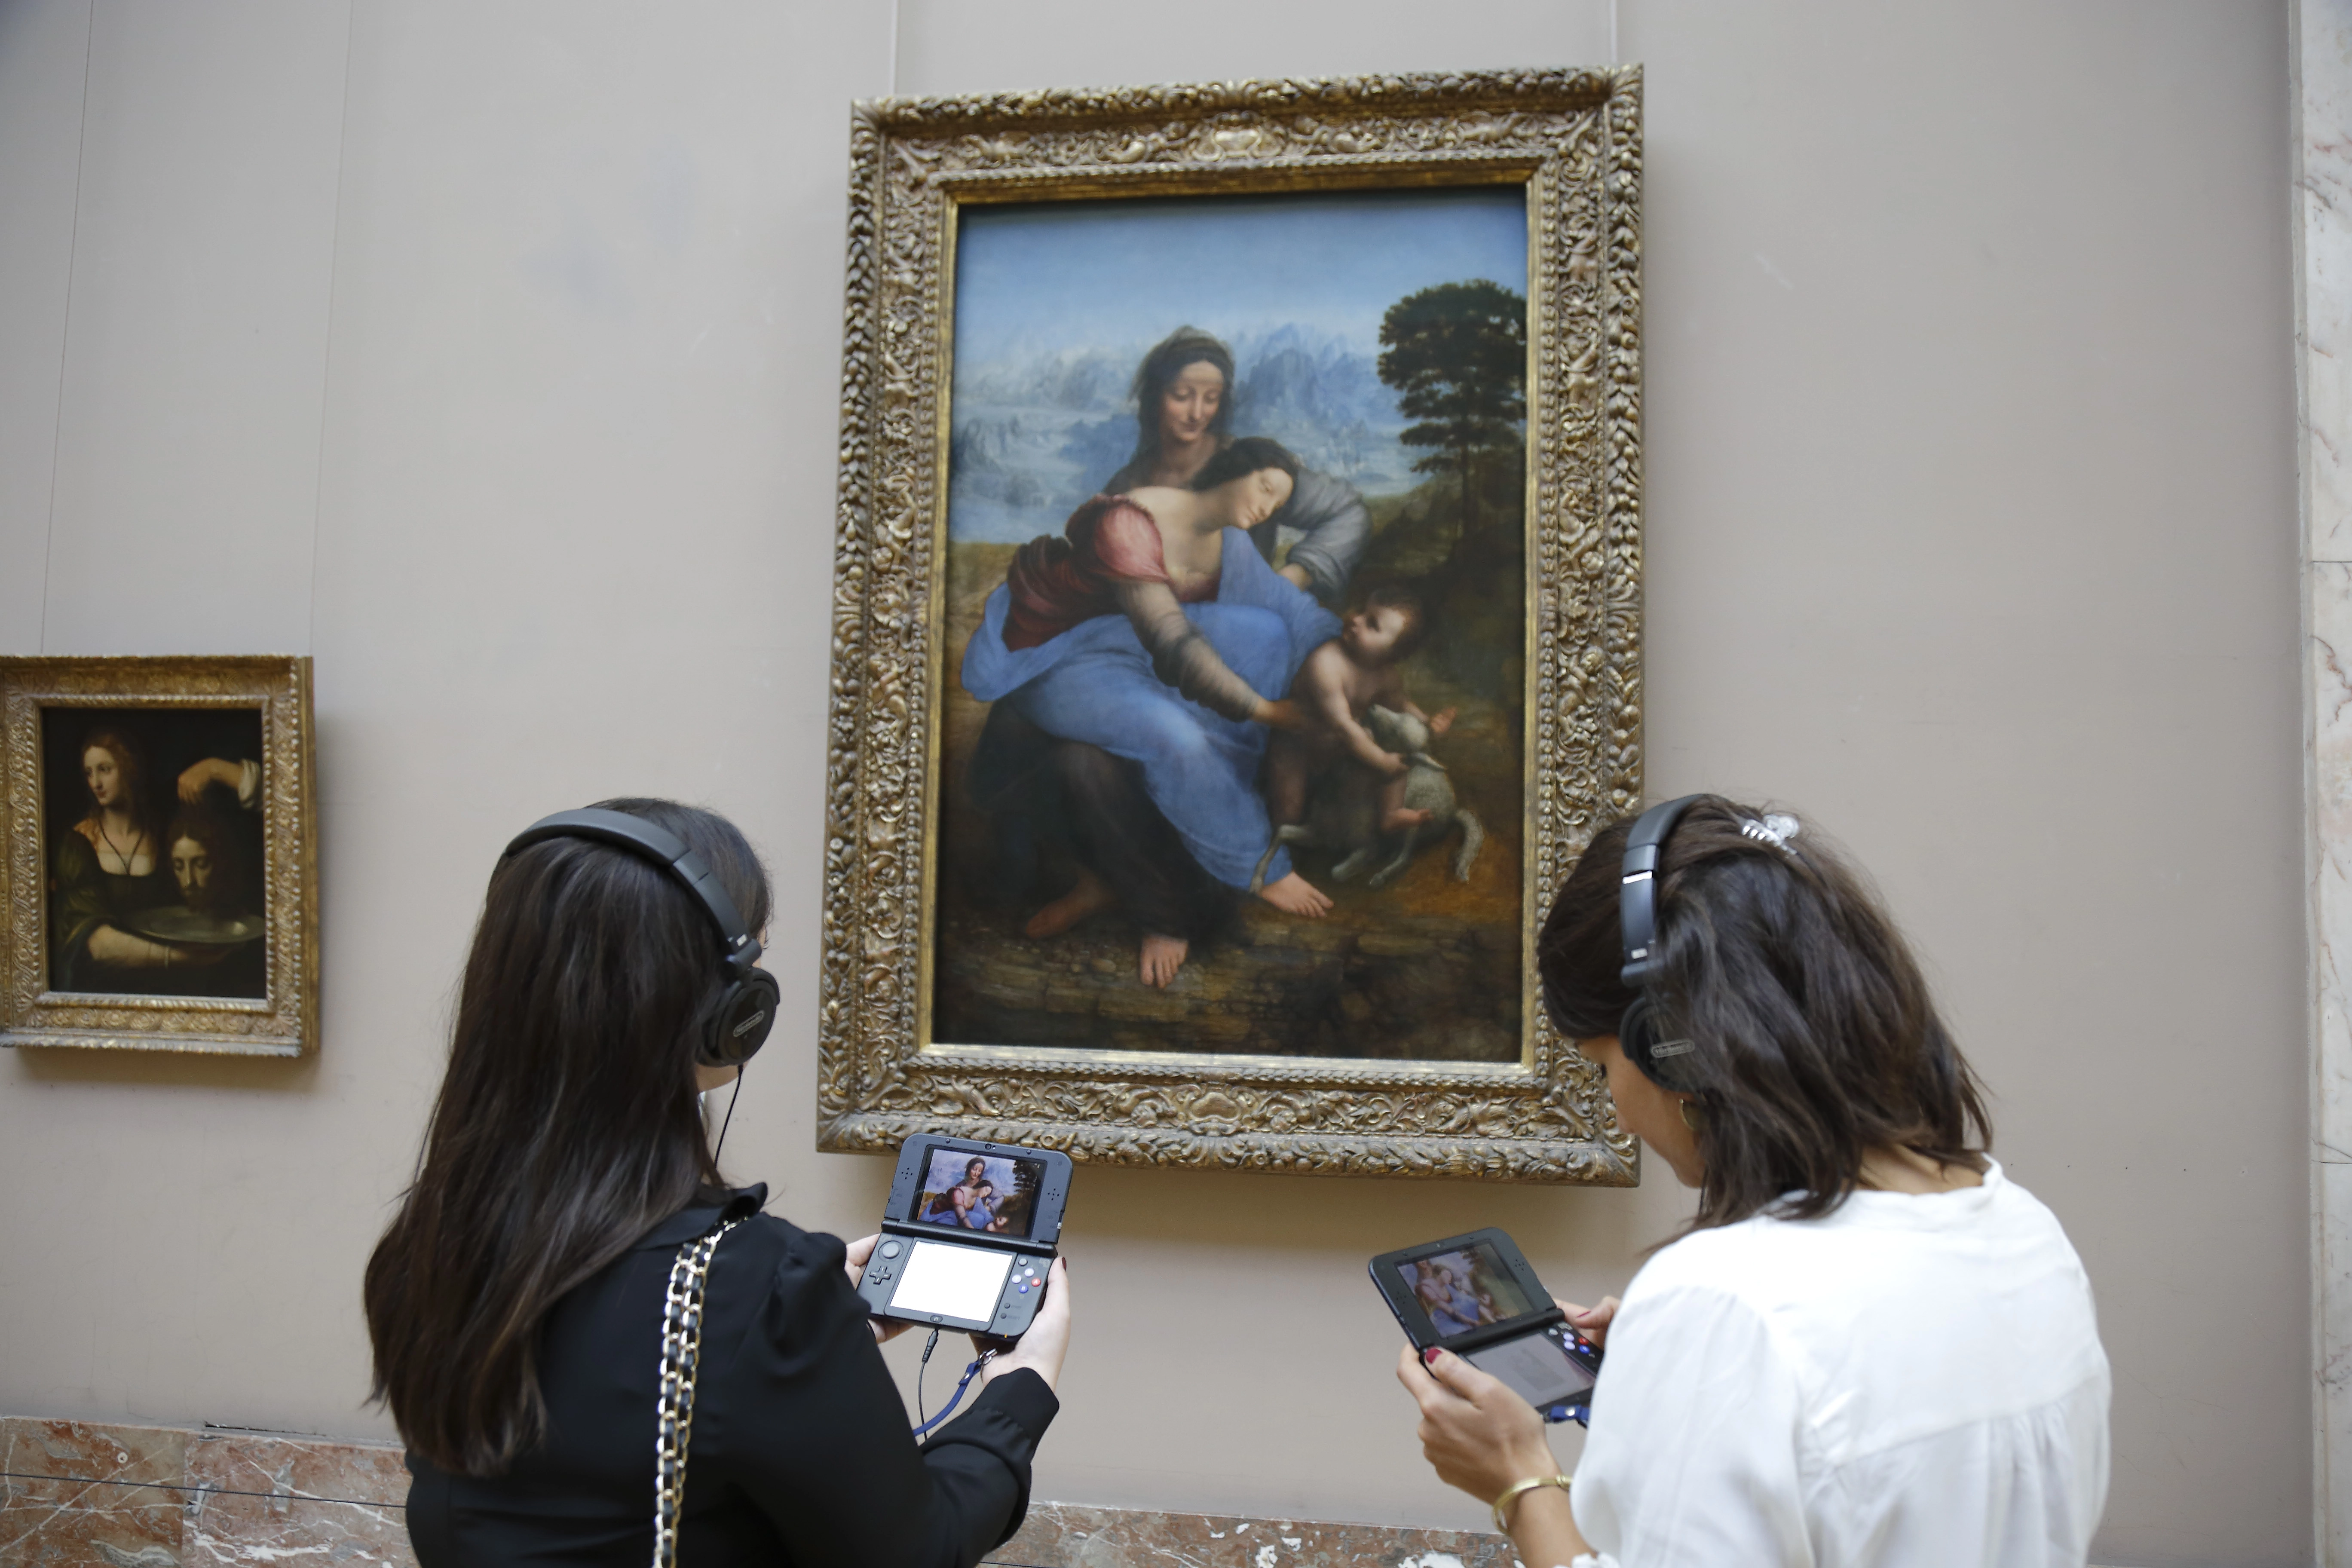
<point>1057,304</point>
<point>1079,273</point>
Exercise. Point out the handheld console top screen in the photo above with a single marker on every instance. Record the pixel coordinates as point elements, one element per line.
<point>1476,1296</point>
<point>1468,1287</point>
<point>969,1234</point>
<point>995,1194</point>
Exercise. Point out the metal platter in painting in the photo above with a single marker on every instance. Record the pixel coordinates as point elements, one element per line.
<point>1237,618</point>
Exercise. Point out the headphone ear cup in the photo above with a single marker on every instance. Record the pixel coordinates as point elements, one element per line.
<point>740,1017</point>
<point>1637,1037</point>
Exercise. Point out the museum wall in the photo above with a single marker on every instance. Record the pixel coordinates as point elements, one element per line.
<point>489,353</point>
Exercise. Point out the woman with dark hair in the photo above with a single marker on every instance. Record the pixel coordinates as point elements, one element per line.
<point>516,1303</point>
<point>1870,1346</point>
<point>1151,631</point>
<point>1183,416</point>
<point>107,867</point>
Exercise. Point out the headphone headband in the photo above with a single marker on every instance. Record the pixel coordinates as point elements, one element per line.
<point>655,843</point>
<point>1637,887</point>
<point>742,1008</point>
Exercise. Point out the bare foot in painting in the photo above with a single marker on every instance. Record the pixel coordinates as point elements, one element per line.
<point>1295,895</point>
<point>1090,896</point>
<point>1162,956</point>
<point>1404,816</point>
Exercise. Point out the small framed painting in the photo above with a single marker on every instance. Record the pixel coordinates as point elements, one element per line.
<point>158,873</point>
<point>1237,617</point>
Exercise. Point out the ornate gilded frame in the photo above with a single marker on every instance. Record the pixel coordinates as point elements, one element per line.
<point>1573,139</point>
<point>285,1022</point>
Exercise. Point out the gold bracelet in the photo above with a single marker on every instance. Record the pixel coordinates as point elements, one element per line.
<point>1511,1493</point>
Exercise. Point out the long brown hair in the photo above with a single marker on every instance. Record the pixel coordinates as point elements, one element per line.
<point>138,793</point>
<point>1817,1039</point>
<point>567,1125</point>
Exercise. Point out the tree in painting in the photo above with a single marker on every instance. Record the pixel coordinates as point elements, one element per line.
<point>1457,355</point>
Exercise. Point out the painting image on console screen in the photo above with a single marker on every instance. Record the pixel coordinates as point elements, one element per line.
<point>980,1192</point>
<point>1464,1289</point>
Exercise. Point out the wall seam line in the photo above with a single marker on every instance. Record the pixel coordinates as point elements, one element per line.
<point>65,338</point>
<point>327,349</point>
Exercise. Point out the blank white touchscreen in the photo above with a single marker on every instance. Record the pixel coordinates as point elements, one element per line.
<point>954,1281</point>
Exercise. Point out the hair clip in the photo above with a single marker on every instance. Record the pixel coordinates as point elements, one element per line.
<point>1776,830</point>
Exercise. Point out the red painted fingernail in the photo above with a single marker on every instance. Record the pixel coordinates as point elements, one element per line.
<point>1429,1357</point>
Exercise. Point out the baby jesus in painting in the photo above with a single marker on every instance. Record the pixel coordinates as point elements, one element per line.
<point>1341,680</point>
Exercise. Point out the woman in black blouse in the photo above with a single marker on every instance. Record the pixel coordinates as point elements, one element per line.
<point>516,1303</point>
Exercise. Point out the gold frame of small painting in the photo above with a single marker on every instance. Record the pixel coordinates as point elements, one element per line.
<point>159,872</point>
<point>1169,1074</point>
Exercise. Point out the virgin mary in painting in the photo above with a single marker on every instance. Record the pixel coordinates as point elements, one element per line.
<point>1153,634</point>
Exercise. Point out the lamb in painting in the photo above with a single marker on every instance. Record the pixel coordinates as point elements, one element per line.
<point>1348,814</point>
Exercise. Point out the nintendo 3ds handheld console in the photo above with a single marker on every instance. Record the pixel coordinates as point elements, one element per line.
<point>968,1237</point>
<point>1476,1296</point>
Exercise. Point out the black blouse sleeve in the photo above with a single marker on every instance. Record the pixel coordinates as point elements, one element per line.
<point>816,1435</point>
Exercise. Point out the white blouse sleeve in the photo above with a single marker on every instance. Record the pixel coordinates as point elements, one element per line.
<point>1692,1456</point>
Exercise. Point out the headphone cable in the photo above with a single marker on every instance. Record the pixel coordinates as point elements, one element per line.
<point>730,1121</point>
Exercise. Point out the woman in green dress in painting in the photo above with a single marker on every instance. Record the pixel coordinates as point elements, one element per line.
<point>107,866</point>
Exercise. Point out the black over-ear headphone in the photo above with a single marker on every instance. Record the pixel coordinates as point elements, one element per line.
<point>1639,1032</point>
<point>742,1013</point>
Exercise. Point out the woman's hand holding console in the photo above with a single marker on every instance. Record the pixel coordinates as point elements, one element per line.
<point>1482,1438</point>
<point>1041,1350</point>
<point>854,1265</point>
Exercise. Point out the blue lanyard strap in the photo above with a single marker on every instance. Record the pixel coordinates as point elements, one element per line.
<point>961,1384</point>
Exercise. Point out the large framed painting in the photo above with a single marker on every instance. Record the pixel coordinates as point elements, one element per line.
<point>1237,618</point>
<point>159,872</point>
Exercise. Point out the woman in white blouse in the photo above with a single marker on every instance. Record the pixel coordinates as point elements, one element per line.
<point>1870,1347</point>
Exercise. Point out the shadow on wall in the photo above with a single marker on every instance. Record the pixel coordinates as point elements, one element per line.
<point>171,1069</point>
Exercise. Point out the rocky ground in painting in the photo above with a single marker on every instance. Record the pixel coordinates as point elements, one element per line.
<point>1425,988</point>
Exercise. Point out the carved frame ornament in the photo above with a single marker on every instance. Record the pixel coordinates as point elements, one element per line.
<point>1573,140</point>
<point>285,1022</point>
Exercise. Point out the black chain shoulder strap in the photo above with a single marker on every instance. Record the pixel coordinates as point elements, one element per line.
<point>681,1346</point>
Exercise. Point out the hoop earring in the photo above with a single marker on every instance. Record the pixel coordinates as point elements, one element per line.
<point>1692,1117</point>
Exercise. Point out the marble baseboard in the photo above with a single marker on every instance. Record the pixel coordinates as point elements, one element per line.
<point>71,1492</point>
<point>104,1496</point>
<point>1074,1535</point>
<point>100,1496</point>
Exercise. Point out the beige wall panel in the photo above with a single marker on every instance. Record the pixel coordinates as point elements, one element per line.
<point>187,450</point>
<point>43,55</point>
<point>1972,531</point>
<point>953,46</point>
<point>577,532</point>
